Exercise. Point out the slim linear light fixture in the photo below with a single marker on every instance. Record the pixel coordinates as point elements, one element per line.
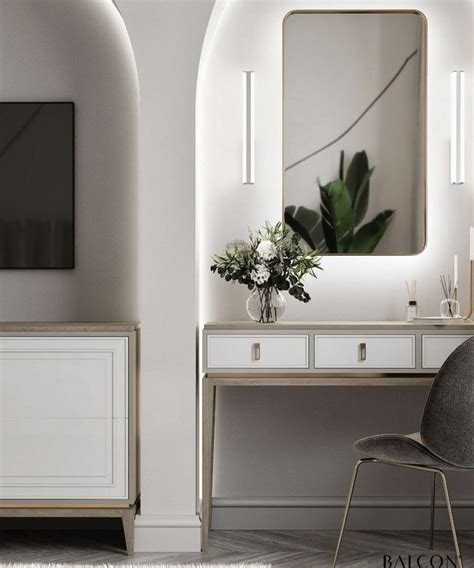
<point>457,128</point>
<point>248,141</point>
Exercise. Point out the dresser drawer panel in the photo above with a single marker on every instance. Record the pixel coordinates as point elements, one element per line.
<point>62,377</point>
<point>47,387</point>
<point>257,352</point>
<point>437,348</point>
<point>365,352</point>
<point>64,458</point>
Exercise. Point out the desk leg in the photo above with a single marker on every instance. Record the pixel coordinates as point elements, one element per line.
<point>208,415</point>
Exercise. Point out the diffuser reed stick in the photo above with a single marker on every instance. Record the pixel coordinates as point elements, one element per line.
<point>411,290</point>
<point>471,294</point>
<point>471,280</point>
<point>449,306</point>
<point>456,278</point>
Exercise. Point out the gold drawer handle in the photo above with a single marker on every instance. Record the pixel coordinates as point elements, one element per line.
<point>362,352</point>
<point>256,351</point>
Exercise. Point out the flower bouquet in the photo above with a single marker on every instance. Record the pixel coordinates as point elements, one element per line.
<point>272,261</point>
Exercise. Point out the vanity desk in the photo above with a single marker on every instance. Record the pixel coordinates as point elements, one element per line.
<point>338,354</point>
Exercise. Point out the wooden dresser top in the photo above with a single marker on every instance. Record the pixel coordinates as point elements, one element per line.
<point>53,327</point>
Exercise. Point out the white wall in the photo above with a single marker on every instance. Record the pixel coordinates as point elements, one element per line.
<point>79,51</point>
<point>167,37</point>
<point>284,443</point>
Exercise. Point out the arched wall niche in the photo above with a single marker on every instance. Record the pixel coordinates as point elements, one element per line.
<point>292,433</point>
<point>247,34</point>
<point>80,51</point>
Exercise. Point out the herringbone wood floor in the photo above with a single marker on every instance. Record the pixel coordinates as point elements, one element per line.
<point>299,549</point>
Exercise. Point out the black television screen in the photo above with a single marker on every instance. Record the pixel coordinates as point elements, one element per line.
<point>37,185</point>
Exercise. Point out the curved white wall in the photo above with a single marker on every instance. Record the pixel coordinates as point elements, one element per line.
<point>79,51</point>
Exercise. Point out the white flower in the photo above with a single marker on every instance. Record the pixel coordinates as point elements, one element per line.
<point>260,275</point>
<point>267,250</point>
<point>235,245</point>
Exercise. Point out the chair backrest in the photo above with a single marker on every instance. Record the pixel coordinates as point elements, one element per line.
<point>447,427</point>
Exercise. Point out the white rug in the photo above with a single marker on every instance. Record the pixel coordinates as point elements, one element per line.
<point>191,565</point>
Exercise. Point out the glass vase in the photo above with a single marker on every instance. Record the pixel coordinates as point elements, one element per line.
<point>265,305</point>
<point>449,308</point>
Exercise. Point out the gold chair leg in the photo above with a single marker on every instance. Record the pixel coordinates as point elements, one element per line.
<point>433,497</point>
<point>451,520</point>
<point>346,511</point>
<point>434,471</point>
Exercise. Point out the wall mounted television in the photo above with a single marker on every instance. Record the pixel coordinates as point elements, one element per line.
<point>36,185</point>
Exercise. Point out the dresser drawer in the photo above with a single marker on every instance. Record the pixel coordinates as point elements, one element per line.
<point>63,377</point>
<point>364,351</point>
<point>64,458</point>
<point>437,348</point>
<point>257,351</point>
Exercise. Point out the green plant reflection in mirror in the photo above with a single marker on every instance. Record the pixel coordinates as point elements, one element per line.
<point>337,226</point>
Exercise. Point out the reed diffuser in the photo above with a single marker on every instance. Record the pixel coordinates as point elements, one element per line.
<point>413,310</point>
<point>449,307</point>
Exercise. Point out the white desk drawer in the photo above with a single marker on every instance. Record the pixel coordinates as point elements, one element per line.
<point>437,348</point>
<point>364,351</point>
<point>257,352</point>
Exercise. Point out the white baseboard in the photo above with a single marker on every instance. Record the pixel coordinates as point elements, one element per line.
<point>167,533</point>
<point>182,533</point>
<point>321,513</point>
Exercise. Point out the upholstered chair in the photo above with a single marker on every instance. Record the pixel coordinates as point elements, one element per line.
<point>445,441</point>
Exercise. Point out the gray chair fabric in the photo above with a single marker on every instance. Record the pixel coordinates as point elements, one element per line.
<point>447,428</point>
<point>397,448</point>
<point>446,439</point>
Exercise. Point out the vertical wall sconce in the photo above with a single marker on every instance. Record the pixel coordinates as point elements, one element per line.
<point>457,127</point>
<point>248,142</point>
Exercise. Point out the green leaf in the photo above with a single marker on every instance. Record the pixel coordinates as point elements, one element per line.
<point>360,203</point>
<point>341,165</point>
<point>337,215</point>
<point>356,171</point>
<point>369,235</point>
<point>307,223</point>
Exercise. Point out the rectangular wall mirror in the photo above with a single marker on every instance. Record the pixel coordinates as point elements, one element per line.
<point>354,131</point>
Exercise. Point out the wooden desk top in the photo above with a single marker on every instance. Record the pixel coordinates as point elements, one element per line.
<point>335,325</point>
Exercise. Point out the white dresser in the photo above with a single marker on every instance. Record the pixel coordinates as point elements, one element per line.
<point>312,354</point>
<point>67,420</point>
